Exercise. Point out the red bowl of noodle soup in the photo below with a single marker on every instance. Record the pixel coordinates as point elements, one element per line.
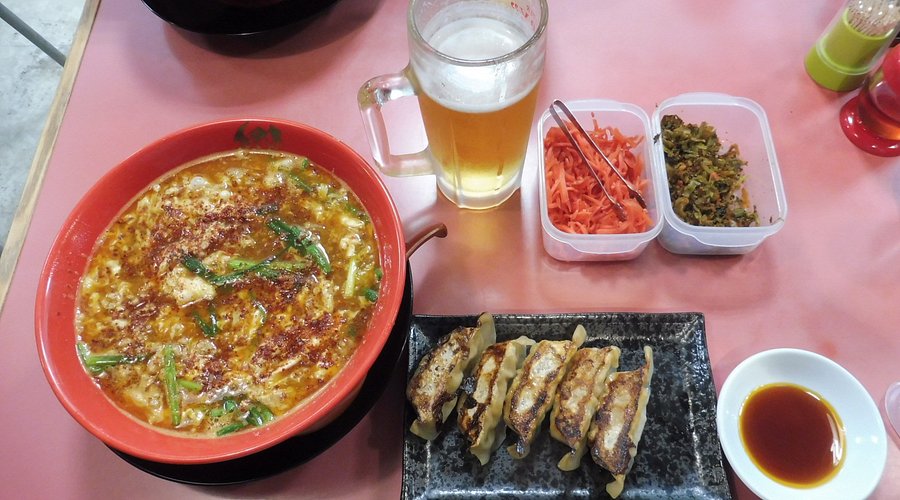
<point>221,290</point>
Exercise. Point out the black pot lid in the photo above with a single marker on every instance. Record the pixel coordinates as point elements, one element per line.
<point>235,17</point>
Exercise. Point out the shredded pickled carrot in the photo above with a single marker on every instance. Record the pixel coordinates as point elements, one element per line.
<point>575,201</point>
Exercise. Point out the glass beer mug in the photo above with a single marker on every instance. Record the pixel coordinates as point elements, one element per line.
<point>475,66</point>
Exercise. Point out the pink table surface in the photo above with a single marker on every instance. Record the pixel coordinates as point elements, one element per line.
<point>828,282</point>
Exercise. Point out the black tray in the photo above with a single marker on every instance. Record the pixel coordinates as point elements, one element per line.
<point>679,454</point>
<point>297,450</point>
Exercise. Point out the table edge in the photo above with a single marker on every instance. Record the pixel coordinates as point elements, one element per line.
<point>24,212</point>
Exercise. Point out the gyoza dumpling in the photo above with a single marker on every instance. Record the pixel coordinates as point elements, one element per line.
<point>432,390</point>
<point>534,388</point>
<point>577,400</point>
<point>616,428</point>
<point>480,409</point>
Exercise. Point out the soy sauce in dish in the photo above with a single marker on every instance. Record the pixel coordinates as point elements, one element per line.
<point>792,434</point>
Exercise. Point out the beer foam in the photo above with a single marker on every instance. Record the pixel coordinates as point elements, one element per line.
<point>475,32</point>
<point>477,39</point>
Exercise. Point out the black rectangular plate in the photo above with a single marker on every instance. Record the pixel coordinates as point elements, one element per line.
<point>679,454</point>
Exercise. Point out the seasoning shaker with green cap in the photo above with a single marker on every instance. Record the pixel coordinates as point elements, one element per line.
<point>855,40</point>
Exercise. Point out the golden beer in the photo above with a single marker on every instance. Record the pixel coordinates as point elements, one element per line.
<point>480,152</point>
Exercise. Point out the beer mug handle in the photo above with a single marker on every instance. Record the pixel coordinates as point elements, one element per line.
<point>374,94</point>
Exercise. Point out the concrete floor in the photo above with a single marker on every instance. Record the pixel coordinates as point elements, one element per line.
<point>28,82</point>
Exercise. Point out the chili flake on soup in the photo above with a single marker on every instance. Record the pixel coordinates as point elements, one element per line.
<point>228,292</point>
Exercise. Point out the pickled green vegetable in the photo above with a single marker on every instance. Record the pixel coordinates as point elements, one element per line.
<point>705,185</point>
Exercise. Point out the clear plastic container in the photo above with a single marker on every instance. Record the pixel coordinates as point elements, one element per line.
<point>630,120</point>
<point>736,120</point>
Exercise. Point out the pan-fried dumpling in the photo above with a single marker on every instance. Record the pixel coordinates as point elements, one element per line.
<point>577,400</point>
<point>616,428</point>
<point>432,390</point>
<point>480,409</point>
<point>534,388</point>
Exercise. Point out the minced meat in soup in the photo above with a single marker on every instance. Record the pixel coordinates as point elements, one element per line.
<point>228,292</point>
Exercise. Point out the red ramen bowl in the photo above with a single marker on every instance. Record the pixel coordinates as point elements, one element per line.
<point>55,329</point>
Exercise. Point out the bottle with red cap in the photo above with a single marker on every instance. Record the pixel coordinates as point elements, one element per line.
<point>871,120</point>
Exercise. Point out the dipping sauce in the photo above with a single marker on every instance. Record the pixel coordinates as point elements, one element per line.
<point>792,434</point>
